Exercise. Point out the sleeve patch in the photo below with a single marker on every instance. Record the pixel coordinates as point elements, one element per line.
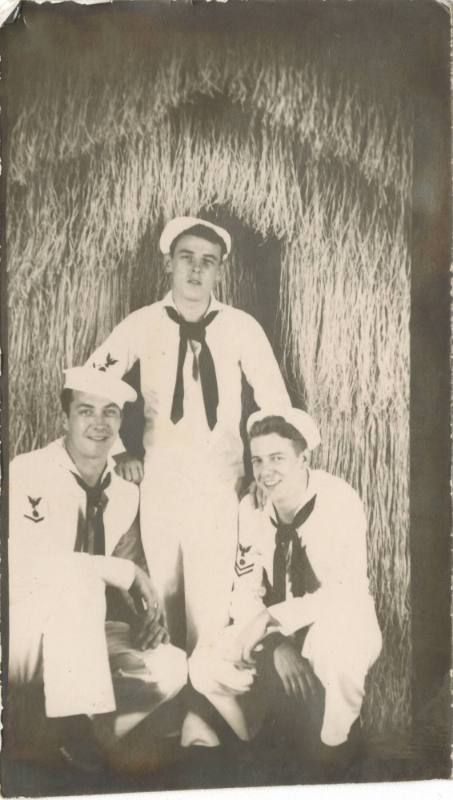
<point>243,564</point>
<point>34,512</point>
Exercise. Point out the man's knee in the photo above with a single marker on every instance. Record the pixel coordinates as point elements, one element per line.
<point>167,665</point>
<point>203,669</point>
<point>211,673</point>
<point>339,651</point>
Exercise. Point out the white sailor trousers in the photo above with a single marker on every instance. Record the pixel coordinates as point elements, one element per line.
<point>59,637</point>
<point>189,533</point>
<point>143,680</point>
<point>341,647</point>
<point>57,617</point>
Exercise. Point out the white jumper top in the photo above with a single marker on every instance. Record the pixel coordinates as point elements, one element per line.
<point>238,346</point>
<point>46,502</point>
<point>334,535</point>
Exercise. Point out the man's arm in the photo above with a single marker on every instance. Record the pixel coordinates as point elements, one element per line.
<point>295,672</point>
<point>247,597</point>
<point>260,366</point>
<point>141,598</point>
<point>120,604</point>
<point>128,467</point>
<point>124,574</point>
<point>116,356</point>
<point>119,351</point>
<point>343,576</point>
<point>149,631</point>
<point>262,632</point>
<point>117,572</point>
<point>130,546</point>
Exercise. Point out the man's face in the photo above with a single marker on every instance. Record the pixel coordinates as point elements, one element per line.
<point>195,267</point>
<point>92,425</point>
<point>277,468</point>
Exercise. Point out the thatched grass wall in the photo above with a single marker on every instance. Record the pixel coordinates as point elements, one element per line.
<point>270,135</point>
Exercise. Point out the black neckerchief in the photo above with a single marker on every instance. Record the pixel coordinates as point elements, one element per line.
<point>195,331</point>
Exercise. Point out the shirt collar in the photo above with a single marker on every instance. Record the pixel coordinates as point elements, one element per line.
<point>214,304</point>
<point>64,460</point>
<point>309,493</point>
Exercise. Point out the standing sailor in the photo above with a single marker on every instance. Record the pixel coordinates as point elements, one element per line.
<point>73,532</point>
<point>193,351</point>
<point>301,595</point>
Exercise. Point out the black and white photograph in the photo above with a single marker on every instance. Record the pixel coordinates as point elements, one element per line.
<point>226,453</point>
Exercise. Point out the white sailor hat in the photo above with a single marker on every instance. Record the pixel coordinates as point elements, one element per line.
<point>178,225</point>
<point>300,420</point>
<point>101,384</point>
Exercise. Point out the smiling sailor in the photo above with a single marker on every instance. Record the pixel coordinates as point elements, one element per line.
<point>193,351</point>
<point>74,532</point>
<point>303,615</point>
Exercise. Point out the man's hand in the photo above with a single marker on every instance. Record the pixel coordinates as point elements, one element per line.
<point>129,468</point>
<point>295,672</point>
<point>149,632</point>
<point>241,649</point>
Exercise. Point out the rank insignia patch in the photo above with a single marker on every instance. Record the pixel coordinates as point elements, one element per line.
<point>243,566</point>
<point>35,514</point>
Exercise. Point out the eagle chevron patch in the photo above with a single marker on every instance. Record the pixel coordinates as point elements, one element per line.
<point>35,515</point>
<point>240,571</point>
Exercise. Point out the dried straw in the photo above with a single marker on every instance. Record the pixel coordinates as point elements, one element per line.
<point>291,149</point>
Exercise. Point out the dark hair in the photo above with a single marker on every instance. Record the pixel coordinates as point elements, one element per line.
<point>203,232</point>
<point>66,398</point>
<point>279,425</point>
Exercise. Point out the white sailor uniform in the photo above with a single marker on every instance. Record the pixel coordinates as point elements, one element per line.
<point>343,638</point>
<point>58,632</point>
<point>188,502</point>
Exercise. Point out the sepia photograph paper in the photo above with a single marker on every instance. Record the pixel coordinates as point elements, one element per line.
<point>226,552</point>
